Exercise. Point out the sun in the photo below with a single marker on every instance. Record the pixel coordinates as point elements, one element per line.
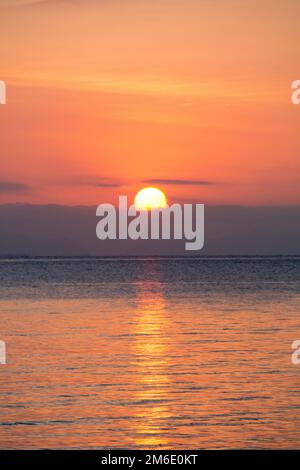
<point>150,198</point>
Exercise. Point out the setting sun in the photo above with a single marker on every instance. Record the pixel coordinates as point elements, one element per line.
<point>150,198</point>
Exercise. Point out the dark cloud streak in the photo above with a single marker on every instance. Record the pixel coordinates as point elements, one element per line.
<point>7,187</point>
<point>179,182</point>
<point>99,183</point>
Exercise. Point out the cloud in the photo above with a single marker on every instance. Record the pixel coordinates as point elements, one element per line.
<point>108,185</point>
<point>7,187</point>
<point>178,182</point>
<point>99,183</point>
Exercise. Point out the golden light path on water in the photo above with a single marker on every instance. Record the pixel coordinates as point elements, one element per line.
<point>151,350</point>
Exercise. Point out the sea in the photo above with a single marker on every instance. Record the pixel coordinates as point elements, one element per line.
<point>150,353</point>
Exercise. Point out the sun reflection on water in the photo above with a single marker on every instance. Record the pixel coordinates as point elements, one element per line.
<point>151,350</point>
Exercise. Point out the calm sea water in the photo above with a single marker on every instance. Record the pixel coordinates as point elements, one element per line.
<point>150,353</point>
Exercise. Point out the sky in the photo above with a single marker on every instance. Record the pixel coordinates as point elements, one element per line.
<point>105,97</point>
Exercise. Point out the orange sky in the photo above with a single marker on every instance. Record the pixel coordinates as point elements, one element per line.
<point>104,95</point>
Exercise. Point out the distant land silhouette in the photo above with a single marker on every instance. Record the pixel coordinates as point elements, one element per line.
<point>57,230</point>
